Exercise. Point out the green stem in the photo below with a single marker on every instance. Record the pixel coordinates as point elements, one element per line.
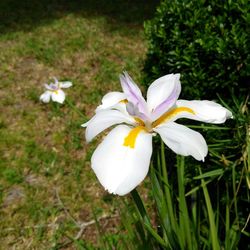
<point>144,216</point>
<point>227,242</point>
<point>183,211</point>
<point>167,189</point>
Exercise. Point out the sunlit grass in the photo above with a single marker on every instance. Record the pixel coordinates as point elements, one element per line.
<point>45,177</point>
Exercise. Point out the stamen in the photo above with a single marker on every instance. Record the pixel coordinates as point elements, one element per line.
<point>170,114</point>
<point>130,139</point>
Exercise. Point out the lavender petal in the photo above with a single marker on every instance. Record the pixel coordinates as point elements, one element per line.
<point>133,93</point>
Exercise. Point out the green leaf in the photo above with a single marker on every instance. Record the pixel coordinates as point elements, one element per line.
<point>213,229</point>
<point>145,218</point>
<point>210,174</point>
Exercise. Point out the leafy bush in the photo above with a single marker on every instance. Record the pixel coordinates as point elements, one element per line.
<point>206,41</point>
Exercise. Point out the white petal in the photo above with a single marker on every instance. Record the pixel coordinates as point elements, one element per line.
<point>111,99</point>
<point>183,140</point>
<point>205,111</point>
<point>103,120</point>
<point>163,92</point>
<point>65,85</point>
<point>45,97</point>
<point>47,86</point>
<point>58,96</point>
<point>120,168</point>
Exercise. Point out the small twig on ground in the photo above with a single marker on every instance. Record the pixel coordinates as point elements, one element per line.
<point>86,224</point>
<point>82,225</point>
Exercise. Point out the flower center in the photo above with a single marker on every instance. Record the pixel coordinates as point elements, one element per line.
<point>147,126</point>
<point>54,88</point>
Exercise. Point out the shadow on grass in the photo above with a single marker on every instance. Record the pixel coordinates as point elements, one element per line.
<point>25,15</point>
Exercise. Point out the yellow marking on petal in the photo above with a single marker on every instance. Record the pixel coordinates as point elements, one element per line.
<point>124,101</point>
<point>54,91</point>
<point>170,114</point>
<point>130,139</point>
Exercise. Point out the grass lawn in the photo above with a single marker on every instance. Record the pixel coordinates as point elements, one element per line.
<point>46,184</point>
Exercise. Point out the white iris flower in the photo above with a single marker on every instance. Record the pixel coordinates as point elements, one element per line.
<point>122,160</point>
<point>54,91</point>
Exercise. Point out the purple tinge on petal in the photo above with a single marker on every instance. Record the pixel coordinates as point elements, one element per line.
<point>53,86</point>
<point>130,89</point>
<point>168,103</point>
<point>134,111</point>
<point>133,93</point>
<point>56,80</point>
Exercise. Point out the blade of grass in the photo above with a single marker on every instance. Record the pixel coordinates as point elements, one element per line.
<point>167,190</point>
<point>196,219</point>
<point>127,219</point>
<point>171,237</point>
<point>195,189</point>
<point>209,127</point>
<point>227,238</point>
<point>73,107</point>
<point>212,173</point>
<point>213,229</point>
<point>144,216</point>
<point>183,211</point>
<point>235,194</point>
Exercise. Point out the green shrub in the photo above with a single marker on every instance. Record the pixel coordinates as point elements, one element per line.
<point>206,41</point>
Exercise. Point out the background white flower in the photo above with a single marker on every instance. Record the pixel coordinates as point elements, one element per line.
<point>122,160</point>
<point>54,91</point>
